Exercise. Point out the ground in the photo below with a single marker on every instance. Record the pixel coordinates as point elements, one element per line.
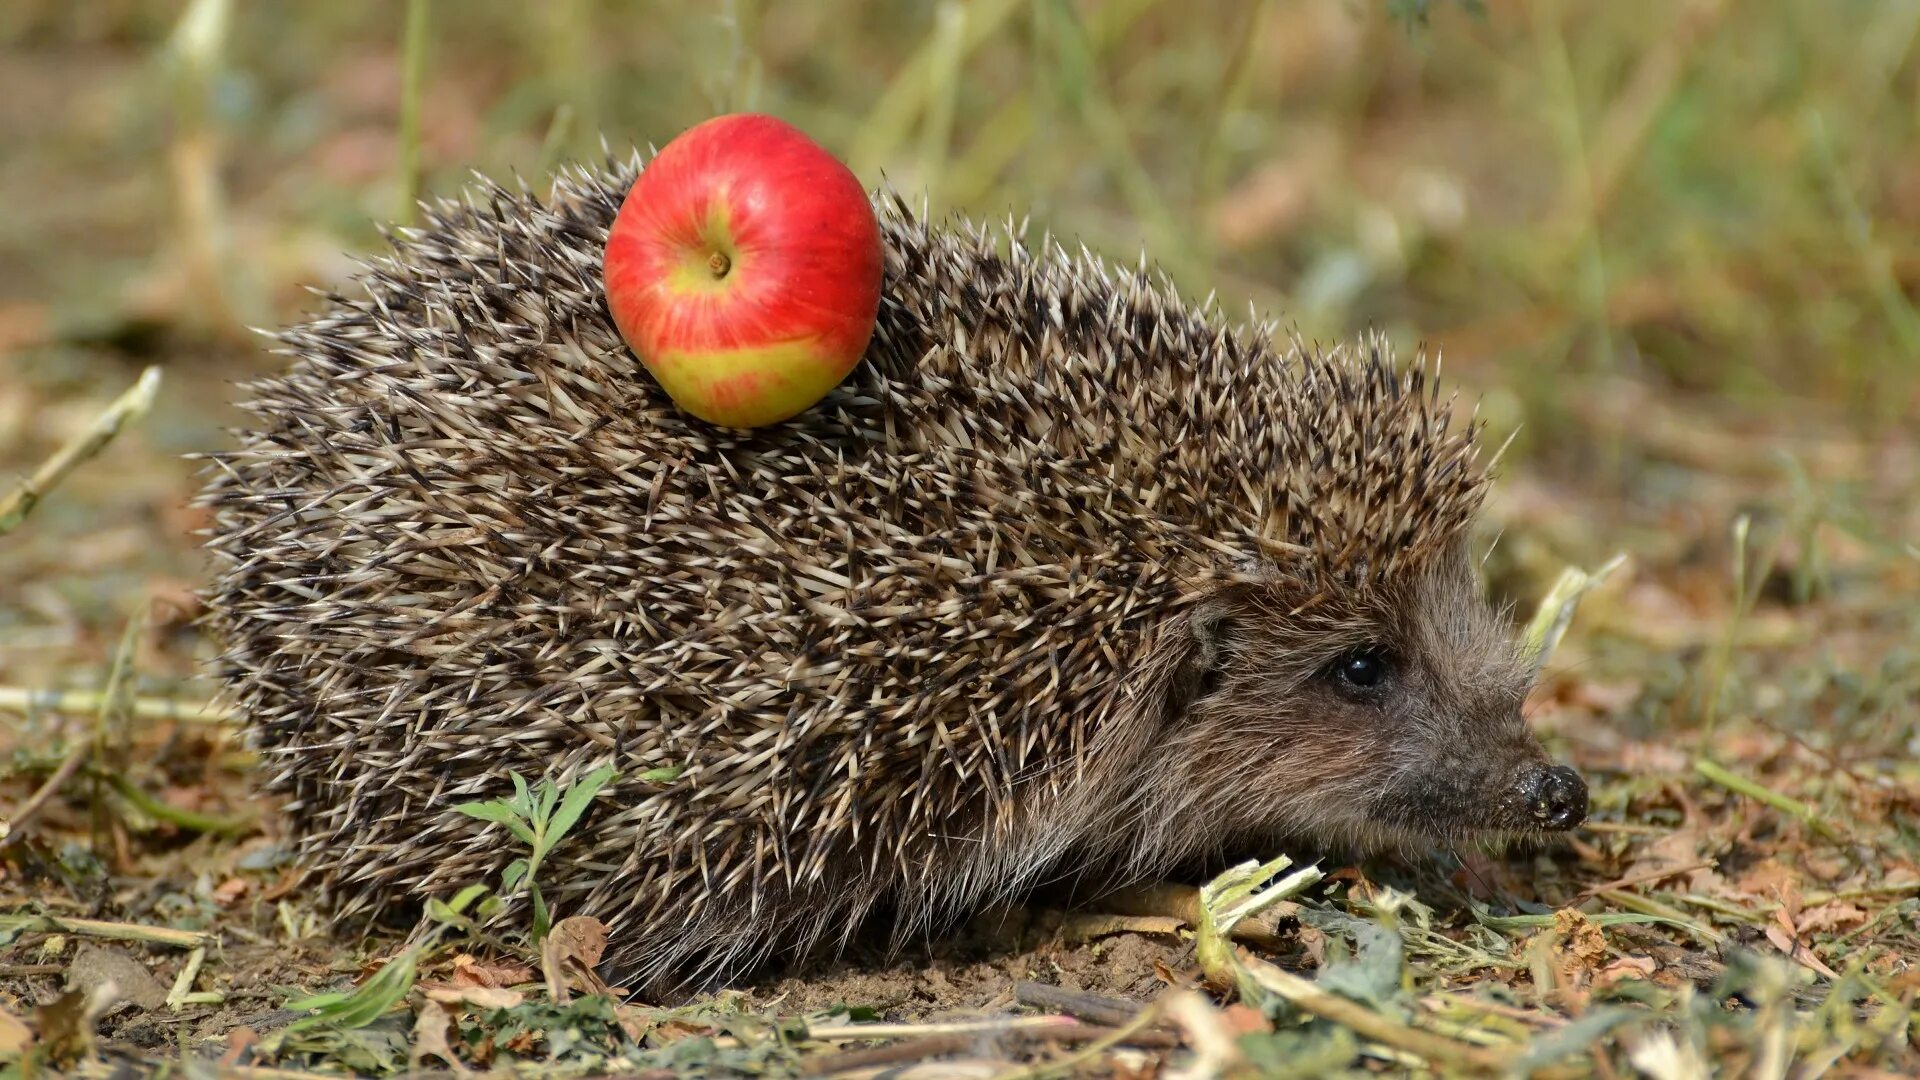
<point>1682,279</point>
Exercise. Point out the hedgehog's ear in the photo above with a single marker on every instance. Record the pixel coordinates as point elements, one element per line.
<point>1202,652</point>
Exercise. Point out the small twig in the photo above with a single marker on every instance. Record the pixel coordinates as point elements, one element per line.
<point>10,827</point>
<point>1880,917</point>
<point>265,1072</point>
<point>1646,905</point>
<point>131,405</point>
<point>196,59</point>
<point>100,928</point>
<point>21,971</point>
<point>1817,897</point>
<point>1642,879</point>
<point>1786,804</point>
<point>183,983</point>
<point>1368,1024</point>
<point>20,699</point>
<point>1437,1002</point>
<point>984,1025</point>
<point>1146,1018</point>
<point>900,1053</point>
<point>86,747</point>
<point>1094,1007</point>
<point>1746,593</point>
<point>914,1050</point>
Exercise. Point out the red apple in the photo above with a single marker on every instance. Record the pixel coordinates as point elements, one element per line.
<point>744,270</point>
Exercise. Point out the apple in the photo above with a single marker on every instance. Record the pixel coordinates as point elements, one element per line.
<point>744,269</point>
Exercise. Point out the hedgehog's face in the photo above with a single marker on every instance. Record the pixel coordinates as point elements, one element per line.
<point>1388,720</point>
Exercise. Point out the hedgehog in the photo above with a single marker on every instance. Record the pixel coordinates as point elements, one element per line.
<point>1071,577</point>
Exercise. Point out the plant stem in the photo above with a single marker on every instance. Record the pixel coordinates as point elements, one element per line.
<point>412,75</point>
<point>112,931</point>
<point>1227,95</point>
<point>20,699</point>
<point>189,820</point>
<point>1438,1049</point>
<point>943,91</point>
<point>891,119</point>
<point>10,830</point>
<point>1786,804</point>
<point>131,405</point>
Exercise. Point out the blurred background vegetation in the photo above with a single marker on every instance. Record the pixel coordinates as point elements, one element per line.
<point>1672,247</point>
<point>1673,244</point>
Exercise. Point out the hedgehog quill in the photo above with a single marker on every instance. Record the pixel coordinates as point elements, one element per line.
<point>1068,576</point>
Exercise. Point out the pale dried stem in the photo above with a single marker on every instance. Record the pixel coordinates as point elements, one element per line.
<point>131,405</point>
<point>20,699</point>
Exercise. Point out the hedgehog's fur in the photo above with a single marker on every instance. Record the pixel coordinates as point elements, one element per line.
<point>1033,592</point>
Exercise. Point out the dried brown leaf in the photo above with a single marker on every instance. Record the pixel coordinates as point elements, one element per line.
<point>229,891</point>
<point>239,1041</point>
<point>469,971</point>
<point>15,1035</point>
<point>480,997</point>
<point>430,1038</point>
<point>1244,1019</point>
<point>568,955</point>
<point>1783,939</point>
<point>1834,915</point>
<point>66,1024</point>
<point>1627,967</point>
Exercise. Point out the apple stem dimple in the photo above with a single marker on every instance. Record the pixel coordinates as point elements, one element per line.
<point>719,264</point>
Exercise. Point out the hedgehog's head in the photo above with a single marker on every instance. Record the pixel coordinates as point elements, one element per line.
<point>1386,718</point>
<point>1358,690</point>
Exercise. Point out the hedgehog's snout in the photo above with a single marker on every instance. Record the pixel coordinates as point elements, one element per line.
<point>1555,797</point>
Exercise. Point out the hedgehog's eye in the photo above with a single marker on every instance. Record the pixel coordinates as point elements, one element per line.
<point>1362,669</point>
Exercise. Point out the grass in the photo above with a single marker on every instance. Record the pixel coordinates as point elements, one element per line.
<point>1671,246</point>
<point>413,73</point>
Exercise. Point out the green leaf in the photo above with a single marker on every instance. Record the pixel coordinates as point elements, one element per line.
<point>579,795</point>
<point>497,811</point>
<point>1575,1037</point>
<point>372,999</point>
<point>1372,975</point>
<point>513,875</point>
<point>441,912</point>
<point>317,1001</point>
<point>374,1050</point>
<point>465,897</point>
<point>540,923</point>
<point>543,810</point>
<point>520,797</point>
<point>450,912</point>
<point>663,774</point>
<point>525,834</point>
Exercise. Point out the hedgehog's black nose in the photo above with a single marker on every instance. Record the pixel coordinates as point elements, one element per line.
<point>1557,798</point>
